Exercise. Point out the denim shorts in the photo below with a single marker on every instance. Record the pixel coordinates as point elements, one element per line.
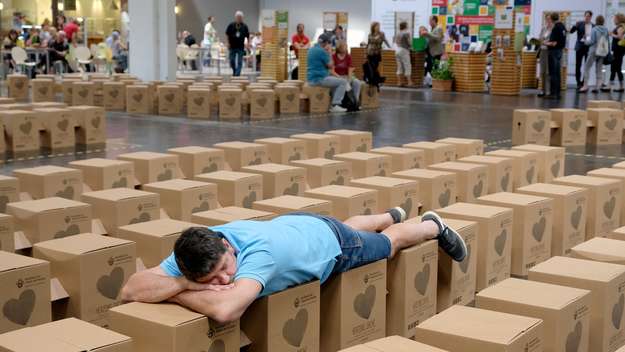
<point>358,247</point>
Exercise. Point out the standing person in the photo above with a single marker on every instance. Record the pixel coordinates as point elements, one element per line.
<point>436,48</point>
<point>188,39</point>
<point>598,49</point>
<point>583,30</point>
<point>555,46</point>
<point>44,34</point>
<point>125,22</point>
<point>300,40</point>
<point>60,22</point>
<point>71,28</point>
<point>339,35</point>
<point>318,74</point>
<point>237,34</point>
<point>257,46</point>
<point>210,38</point>
<point>543,55</point>
<point>344,68</point>
<point>403,40</point>
<point>374,46</point>
<point>618,51</point>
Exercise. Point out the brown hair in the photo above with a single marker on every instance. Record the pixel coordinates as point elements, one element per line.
<point>373,25</point>
<point>341,47</point>
<point>600,20</point>
<point>403,25</point>
<point>620,18</point>
<point>555,17</point>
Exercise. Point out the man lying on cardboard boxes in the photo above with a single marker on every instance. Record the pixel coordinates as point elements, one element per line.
<point>220,271</point>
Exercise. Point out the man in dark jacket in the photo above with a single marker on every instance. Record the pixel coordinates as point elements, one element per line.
<point>583,29</point>
<point>555,45</point>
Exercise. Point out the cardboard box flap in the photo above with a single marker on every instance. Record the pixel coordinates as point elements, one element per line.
<point>514,198</point>
<point>483,159</point>
<point>99,162</point>
<point>400,344</point>
<point>345,191</point>
<point>26,340</point>
<point>237,145</point>
<point>159,228</point>
<point>587,180</point>
<point>316,136</point>
<point>117,194</point>
<point>580,269</point>
<point>177,184</point>
<point>548,188</point>
<point>10,261</point>
<point>229,214</point>
<point>359,156</point>
<point>82,243</point>
<point>601,249</point>
<point>46,204</point>
<point>476,209</point>
<point>43,170</point>
<point>193,150</point>
<point>316,162</point>
<point>455,140</point>
<point>511,153</point>
<point>347,132</point>
<point>6,178</point>
<point>270,167</point>
<point>480,324</point>
<point>537,148</point>
<point>531,111</point>
<point>227,175</point>
<point>608,172</point>
<point>81,334</point>
<point>534,293</point>
<point>383,181</point>
<point>275,140</point>
<point>458,225</point>
<point>167,314</point>
<point>423,173</point>
<point>427,145</point>
<point>143,156</point>
<point>393,150</point>
<point>42,109</point>
<point>293,201</point>
<point>456,166</point>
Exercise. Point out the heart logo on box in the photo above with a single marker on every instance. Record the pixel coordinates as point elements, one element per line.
<point>478,188</point>
<point>529,175</point>
<point>230,101</point>
<point>293,330</point>
<point>121,183</point>
<point>363,303</point>
<point>290,97</point>
<point>67,193</point>
<point>4,200</point>
<point>110,285</point>
<point>608,208</point>
<point>617,312</point>
<point>95,122</point>
<point>464,265</point>
<point>362,148</point>
<point>293,190</point>
<point>137,97</point>
<point>19,84</point>
<point>217,346</point>
<point>444,198</point>
<point>199,101</point>
<point>62,125</point>
<point>256,161</point>
<point>261,101</point>
<point>113,93</point>
<point>43,90</point>
<point>249,200</point>
<point>422,279</point>
<point>18,310</point>
<point>367,211</point>
<point>165,175</point>
<point>296,156</point>
<point>407,205</point>
<point>70,231</point>
<point>319,96</point>
<point>26,127</point>
<point>500,242</point>
<point>382,172</point>
<point>340,181</point>
<point>203,207</point>
<point>575,125</point>
<point>329,154</point>
<point>539,125</point>
<point>83,93</point>
<point>169,97</point>
<point>143,217</point>
<point>555,169</point>
<point>210,168</point>
<point>538,230</point>
<point>574,338</point>
<point>576,217</point>
<point>505,182</point>
<point>611,124</point>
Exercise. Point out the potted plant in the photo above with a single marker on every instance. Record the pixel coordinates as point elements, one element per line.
<point>442,76</point>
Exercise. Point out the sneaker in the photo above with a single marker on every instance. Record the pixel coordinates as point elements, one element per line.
<point>337,109</point>
<point>398,214</point>
<point>448,239</point>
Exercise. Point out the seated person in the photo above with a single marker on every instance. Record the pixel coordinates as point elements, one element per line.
<point>343,68</point>
<point>59,49</point>
<point>319,65</point>
<point>220,271</point>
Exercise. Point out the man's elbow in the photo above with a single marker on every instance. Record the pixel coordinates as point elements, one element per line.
<point>225,315</point>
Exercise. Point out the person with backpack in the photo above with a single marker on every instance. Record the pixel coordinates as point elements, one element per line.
<point>598,49</point>
<point>618,51</point>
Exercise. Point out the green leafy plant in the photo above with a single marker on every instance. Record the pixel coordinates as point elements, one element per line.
<point>442,70</point>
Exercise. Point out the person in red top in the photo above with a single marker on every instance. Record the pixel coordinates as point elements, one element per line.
<point>71,28</point>
<point>344,68</point>
<point>300,40</point>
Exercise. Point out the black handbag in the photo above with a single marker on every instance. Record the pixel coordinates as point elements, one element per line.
<point>608,59</point>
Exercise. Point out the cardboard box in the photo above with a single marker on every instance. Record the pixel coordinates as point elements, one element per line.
<point>437,189</point>
<point>42,90</point>
<point>411,283</point>
<point>122,206</point>
<point>354,141</point>
<point>5,100</point>
<point>471,179</point>
<point>171,328</point>
<point>7,237</point>
<point>139,99</point>
<point>67,335</point>
<point>605,281</point>
<point>347,201</point>
<point>169,100</point>
<point>289,204</point>
<point>48,104</point>
<point>525,166</point>
<point>18,86</point>
<point>50,218</point>
<point>83,93</point>
<point>533,224</point>
<point>50,181</point>
<point>604,104</point>
<point>531,126</point>
<point>464,146</point>
<point>25,296</point>
<point>289,100</point>
<point>100,174</point>
<point>550,161</point>
<point>22,131</point>
<point>91,123</point>
<point>153,167</point>
<point>403,158</point>
<point>285,321</point>
<point>92,269</point>
<point>565,311</point>
<point>617,174</point>
<point>571,129</point>
<point>3,146</point>
<point>367,164</point>
<point>320,145</point>
<point>318,99</point>
<point>618,234</point>
<point>199,160</point>
<point>284,150</point>
<point>325,172</point>
<point>569,214</point>
<point>434,152</point>
<point>262,104</point>
<point>393,344</point>
<point>240,154</point>
<point>494,256</point>
<point>114,96</point>
<point>9,191</point>
<point>353,307</point>
<point>601,249</point>
<point>607,126</point>
<point>369,97</point>
<point>154,239</point>
<point>467,329</point>
<point>225,215</point>
<point>67,89</point>
<point>604,202</point>
<point>17,106</point>
<point>58,128</point>
<point>279,179</point>
<point>239,189</point>
<point>393,192</point>
<point>230,103</point>
<point>199,103</point>
<point>499,171</point>
<point>181,198</point>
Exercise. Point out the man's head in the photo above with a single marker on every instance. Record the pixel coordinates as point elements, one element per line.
<point>588,16</point>
<point>300,28</point>
<point>325,40</point>
<point>238,17</point>
<point>210,19</point>
<point>185,34</point>
<point>338,29</point>
<point>204,256</point>
<point>433,21</point>
<point>600,20</point>
<point>403,26</point>
<point>61,36</point>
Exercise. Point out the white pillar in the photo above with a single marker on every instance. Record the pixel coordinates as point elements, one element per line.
<point>152,52</point>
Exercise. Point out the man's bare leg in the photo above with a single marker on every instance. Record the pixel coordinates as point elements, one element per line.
<point>370,223</point>
<point>409,234</point>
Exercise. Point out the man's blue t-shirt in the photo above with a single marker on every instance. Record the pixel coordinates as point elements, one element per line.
<point>286,251</point>
<point>318,60</point>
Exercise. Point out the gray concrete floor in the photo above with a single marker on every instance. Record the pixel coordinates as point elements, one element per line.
<point>406,116</point>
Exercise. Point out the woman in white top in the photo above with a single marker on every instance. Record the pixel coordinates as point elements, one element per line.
<point>545,33</point>
<point>210,38</point>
